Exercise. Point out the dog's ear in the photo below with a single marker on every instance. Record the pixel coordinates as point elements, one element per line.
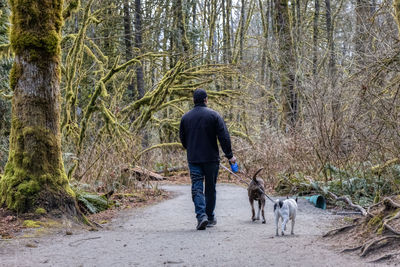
<point>275,206</point>
<point>280,203</point>
<point>296,199</point>
<point>255,175</point>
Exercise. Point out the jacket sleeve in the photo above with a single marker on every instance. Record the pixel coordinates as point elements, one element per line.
<point>224,138</point>
<point>182,134</point>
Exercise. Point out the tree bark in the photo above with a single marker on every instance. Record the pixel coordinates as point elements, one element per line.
<point>34,174</point>
<point>128,42</point>
<point>212,18</point>
<point>227,33</point>
<point>362,37</point>
<point>138,45</point>
<point>127,31</point>
<point>396,6</point>
<point>287,62</point>
<point>265,27</point>
<point>241,35</point>
<point>315,38</point>
<point>336,95</point>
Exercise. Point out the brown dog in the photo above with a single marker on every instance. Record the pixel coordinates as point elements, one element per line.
<point>256,192</point>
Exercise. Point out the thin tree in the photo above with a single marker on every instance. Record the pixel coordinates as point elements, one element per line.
<point>363,40</point>
<point>315,38</point>
<point>396,5</point>
<point>332,73</point>
<point>128,41</point>
<point>138,46</point>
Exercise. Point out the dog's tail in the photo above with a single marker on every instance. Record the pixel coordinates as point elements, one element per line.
<point>255,175</point>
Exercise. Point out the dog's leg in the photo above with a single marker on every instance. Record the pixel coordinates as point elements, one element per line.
<point>259,209</point>
<point>293,221</point>
<point>285,220</point>
<point>253,217</point>
<point>262,210</point>
<point>276,223</point>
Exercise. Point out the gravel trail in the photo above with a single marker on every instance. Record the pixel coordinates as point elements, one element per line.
<point>164,235</point>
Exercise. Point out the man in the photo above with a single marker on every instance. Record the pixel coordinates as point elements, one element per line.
<point>199,130</point>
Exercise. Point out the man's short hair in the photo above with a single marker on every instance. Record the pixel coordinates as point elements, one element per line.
<point>199,96</point>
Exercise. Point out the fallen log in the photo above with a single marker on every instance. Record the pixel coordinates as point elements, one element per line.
<point>141,174</point>
<point>351,204</point>
<point>173,169</point>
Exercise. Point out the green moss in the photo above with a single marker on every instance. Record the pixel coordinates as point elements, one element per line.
<point>15,73</point>
<point>377,197</point>
<point>40,211</point>
<point>380,230</point>
<point>36,27</point>
<point>348,219</point>
<point>374,221</point>
<point>48,44</point>
<point>31,224</point>
<point>71,8</point>
<point>69,190</point>
<point>34,169</point>
<point>28,171</point>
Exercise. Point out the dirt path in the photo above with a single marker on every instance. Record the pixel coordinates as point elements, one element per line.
<point>165,235</point>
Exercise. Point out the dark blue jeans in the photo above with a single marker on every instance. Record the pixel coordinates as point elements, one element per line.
<point>204,201</point>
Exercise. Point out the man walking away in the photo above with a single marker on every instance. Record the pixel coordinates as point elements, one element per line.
<point>199,130</point>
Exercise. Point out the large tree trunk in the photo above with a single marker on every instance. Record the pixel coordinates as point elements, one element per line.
<point>34,174</point>
<point>287,62</point>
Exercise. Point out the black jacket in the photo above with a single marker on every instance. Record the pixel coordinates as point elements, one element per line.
<point>198,132</point>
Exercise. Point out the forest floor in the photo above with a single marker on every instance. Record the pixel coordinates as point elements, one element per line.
<point>164,234</point>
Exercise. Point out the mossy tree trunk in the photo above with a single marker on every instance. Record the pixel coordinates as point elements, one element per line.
<point>34,174</point>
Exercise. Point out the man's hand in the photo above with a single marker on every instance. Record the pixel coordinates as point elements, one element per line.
<point>232,160</point>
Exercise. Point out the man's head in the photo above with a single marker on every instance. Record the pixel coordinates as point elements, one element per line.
<point>200,96</point>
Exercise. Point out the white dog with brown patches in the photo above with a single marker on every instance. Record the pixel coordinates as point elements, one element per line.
<point>285,209</point>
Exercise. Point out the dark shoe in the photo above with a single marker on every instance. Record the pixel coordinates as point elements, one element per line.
<point>212,223</point>
<point>202,224</point>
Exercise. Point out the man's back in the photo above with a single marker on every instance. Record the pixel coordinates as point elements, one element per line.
<point>199,130</point>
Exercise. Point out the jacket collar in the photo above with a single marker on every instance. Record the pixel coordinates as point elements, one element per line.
<point>200,105</point>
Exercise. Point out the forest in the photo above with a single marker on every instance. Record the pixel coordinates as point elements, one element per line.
<point>309,90</point>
